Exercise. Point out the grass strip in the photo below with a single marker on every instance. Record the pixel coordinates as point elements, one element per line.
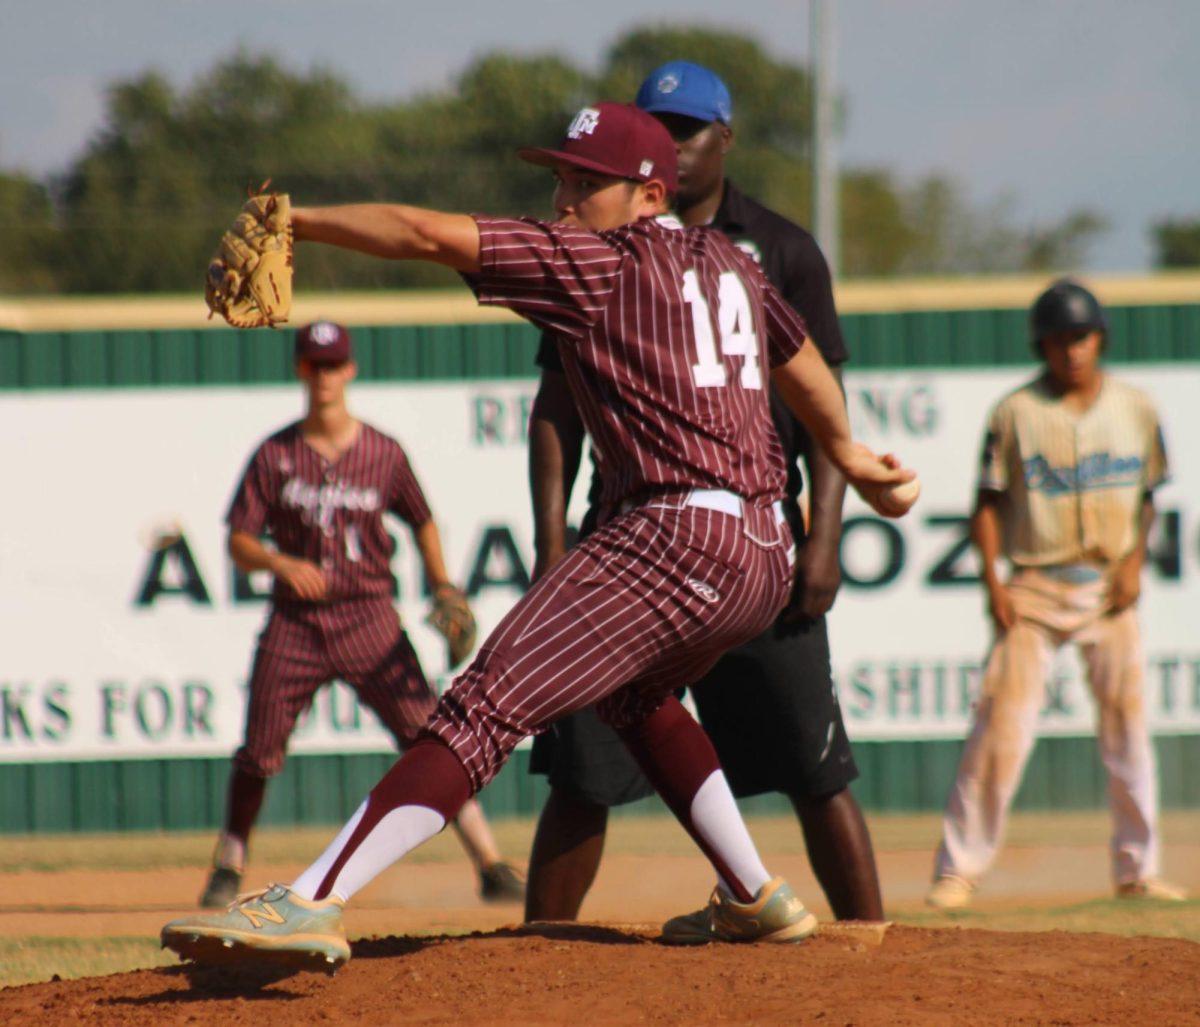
<point>639,835</point>
<point>26,960</point>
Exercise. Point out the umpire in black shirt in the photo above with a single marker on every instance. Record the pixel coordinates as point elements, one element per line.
<point>769,706</point>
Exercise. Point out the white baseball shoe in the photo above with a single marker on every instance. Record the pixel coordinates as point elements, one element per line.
<point>950,892</point>
<point>775,915</point>
<point>1151,888</point>
<point>273,926</point>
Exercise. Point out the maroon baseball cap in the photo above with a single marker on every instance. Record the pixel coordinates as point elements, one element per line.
<point>614,139</point>
<point>323,342</point>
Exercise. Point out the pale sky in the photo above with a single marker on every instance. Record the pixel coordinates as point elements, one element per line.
<point>1060,103</point>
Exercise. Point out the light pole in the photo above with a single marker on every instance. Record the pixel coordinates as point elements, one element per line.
<point>823,52</point>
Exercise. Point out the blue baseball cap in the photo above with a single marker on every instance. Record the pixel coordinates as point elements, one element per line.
<point>681,87</point>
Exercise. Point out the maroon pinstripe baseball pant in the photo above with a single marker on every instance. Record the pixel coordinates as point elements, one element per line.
<point>306,645</point>
<point>644,605</point>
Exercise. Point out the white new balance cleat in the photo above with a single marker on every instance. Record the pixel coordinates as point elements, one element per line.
<point>775,915</point>
<point>274,926</point>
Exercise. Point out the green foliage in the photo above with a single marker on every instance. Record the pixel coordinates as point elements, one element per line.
<point>141,207</point>
<point>500,103</point>
<point>771,100</point>
<point>946,234</point>
<point>28,241</point>
<point>1061,244</point>
<point>1177,242</point>
<point>875,233</point>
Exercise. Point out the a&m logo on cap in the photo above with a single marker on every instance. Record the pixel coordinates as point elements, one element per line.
<point>668,83</point>
<point>584,123</point>
<point>324,334</point>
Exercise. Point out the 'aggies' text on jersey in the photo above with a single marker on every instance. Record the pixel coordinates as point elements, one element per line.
<point>330,513</point>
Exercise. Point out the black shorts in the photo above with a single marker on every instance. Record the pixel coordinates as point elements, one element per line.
<point>583,756</point>
<point>769,706</point>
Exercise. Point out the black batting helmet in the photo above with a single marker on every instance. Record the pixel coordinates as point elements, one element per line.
<point>1065,306</point>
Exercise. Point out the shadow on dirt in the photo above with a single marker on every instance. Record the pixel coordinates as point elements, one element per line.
<point>210,983</point>
<point>597,934</point>
<point>393,946</point>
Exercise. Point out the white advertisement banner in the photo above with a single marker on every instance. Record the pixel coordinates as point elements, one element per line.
<point>114,645</point>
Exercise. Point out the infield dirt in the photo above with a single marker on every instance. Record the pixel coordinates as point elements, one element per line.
<point>602,974</point>
<point>416,959</point>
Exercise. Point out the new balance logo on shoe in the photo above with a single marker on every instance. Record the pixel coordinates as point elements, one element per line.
<point>265,913</point>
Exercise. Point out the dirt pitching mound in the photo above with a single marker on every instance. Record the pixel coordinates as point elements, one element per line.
<point>598,974</point>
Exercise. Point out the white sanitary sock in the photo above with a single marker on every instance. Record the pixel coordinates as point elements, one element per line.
<point>396,834</point>
<point>716,818</point>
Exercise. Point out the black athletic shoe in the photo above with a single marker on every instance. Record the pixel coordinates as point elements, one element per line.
<point>222,888</point>
<point>501,883</point>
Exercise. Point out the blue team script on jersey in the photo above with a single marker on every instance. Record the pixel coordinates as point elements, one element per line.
<point>1096,471</point>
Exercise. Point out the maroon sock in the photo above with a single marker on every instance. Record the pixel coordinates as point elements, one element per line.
<point>245,800</point>
<point>428,774</point>
<point>677,757</point>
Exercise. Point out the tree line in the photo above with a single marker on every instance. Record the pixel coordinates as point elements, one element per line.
<point>139,209</point>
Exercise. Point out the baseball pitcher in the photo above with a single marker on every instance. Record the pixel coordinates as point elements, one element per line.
<point>672,333</point>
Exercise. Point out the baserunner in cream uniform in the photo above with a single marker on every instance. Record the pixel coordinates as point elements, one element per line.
<point>1070,462</point>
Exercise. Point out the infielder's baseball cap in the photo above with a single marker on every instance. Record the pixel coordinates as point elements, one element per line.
<point>681,87</point>
<point>323,342</point>
<point>614,139</point>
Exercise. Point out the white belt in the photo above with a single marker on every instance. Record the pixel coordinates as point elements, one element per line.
<point>716,499</point>
<point>721,500</point>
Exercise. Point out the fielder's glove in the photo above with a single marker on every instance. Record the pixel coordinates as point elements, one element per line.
<point>249,281</point>
<point>451,616</point>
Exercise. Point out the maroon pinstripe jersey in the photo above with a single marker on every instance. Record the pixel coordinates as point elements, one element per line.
<point>330,513</point>
<point>667,337</point>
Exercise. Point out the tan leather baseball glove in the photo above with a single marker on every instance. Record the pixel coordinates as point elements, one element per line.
<point>249,280</point>
<point>452,618</point>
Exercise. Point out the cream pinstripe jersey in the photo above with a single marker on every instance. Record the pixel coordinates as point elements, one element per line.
<point>1074,483</point>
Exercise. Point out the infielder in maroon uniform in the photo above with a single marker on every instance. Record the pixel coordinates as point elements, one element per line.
<point>320,487</point>
<point>669,336</point>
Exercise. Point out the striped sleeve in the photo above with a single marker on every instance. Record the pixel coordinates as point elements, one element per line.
<point>557,276</point>
<point>251,502</point>
<point>406,500</point>
<point>997,447</point>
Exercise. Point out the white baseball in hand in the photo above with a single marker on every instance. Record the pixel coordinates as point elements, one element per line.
<point>897,500</point>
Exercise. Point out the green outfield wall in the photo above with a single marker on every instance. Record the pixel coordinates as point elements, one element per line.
<point>148,794</point>
<point>216,356</point>
<point>189,794</point>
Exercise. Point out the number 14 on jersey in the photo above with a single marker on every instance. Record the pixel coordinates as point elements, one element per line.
<point>735,321</point>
